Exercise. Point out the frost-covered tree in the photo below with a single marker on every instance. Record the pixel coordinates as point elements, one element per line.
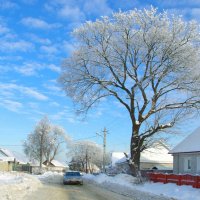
<point>45,141</point>
<point>84,154</point>
<point>146,60</point>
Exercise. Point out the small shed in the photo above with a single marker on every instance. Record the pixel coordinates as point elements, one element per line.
<point>186,155</point>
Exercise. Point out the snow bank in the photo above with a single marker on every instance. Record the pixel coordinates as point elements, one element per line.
<point>15,185</point>
<point>51,177</point>
<point>126,185</point>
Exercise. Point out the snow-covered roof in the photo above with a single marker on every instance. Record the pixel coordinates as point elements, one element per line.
<point>4,153</point>
<point>158,154</point>
<point>116,156</point>
<point>189,144</point>
<point>56,163</point>
<point>6,159</point>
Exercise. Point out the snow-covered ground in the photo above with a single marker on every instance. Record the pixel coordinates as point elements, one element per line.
<point>14,185</point>
<point>126,184</point>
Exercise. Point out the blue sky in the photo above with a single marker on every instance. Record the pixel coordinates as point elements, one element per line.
<point>35,37</point>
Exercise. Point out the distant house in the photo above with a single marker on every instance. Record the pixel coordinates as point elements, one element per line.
<point>56,165</point>
<point>9,158</point>
<point>186,155</point>
<point>115,157</point>
<point>153,157</point>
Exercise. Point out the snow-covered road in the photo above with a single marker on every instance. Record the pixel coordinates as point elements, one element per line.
<point>20,186</point>
<point>75,192</point>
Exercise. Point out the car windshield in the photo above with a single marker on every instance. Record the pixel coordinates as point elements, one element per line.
<point>72,174</point>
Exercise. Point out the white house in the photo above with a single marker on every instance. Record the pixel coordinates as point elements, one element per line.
<point>9,158</point>
<point>186,154</point>
<point>152,157</point>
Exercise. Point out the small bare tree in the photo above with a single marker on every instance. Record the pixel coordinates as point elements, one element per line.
<point>148,61</point>
<point>45,141</point>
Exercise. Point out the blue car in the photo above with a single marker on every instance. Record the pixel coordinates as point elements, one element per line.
<point>72,178</point>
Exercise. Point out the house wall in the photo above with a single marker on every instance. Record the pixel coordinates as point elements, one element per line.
<point>37,170</point>
<point>180,163</point>
<point>124,167</point>
<point>160,166</point>
<point>5,166</point>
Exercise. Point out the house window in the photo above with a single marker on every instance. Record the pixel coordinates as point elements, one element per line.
<point>187,164</point>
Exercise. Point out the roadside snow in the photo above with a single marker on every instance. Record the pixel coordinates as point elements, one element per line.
<point>126,184</point>
<point>14,185</point>
<point>51,177</point>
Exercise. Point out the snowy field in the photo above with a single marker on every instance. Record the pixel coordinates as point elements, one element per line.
<point>14,185</point>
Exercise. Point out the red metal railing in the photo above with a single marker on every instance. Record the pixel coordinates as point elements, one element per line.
<point>185,179</point>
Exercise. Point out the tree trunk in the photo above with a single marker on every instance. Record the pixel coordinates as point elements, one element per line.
<point>134,161</point>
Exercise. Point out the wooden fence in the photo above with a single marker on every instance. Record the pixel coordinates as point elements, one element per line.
<point>185,179</point>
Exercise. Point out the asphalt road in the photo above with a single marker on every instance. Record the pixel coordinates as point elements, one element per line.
<point>74,192</point>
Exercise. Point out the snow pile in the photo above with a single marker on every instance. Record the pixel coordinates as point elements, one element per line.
<point>120,179</point>
<point>172,190</point>
<point>51,177</point>
<point>14,185</point>
<point>126,185</point>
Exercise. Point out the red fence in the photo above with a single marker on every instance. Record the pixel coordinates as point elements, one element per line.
<point>186,179</point>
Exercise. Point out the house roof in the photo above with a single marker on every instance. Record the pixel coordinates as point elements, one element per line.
<point>7,154</point>
<point>157,154</point>
<point>116,156</point>
<point>56,163</point>
<point>189,144</point>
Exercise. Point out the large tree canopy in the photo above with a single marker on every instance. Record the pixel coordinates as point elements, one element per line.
<point>148,61</point>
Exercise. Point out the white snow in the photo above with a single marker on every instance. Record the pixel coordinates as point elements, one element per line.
<point>124,182</point>
<point>14,185</point>
<point>189,144</point>
<point>51,177</point>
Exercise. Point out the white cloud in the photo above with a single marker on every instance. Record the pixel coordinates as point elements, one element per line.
<point>32,68</point>
<point>5,4</point>
<point>33,93</point>
<point>37,39</point>
<point>78,11</point>
<point>66,10</point>
<point>182,3</point>
<point>11,105</point>
<point>54,68</point>
<point>21,45</point>
<point>54,104</point>
<point>38,23</point>
<point>21,90</point>
<point>3,29</point>
<point>49,49</point>
<point>71,12</point>
<point>97,7</point>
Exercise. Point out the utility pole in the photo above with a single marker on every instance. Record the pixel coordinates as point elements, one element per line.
<point>105,132</point>
<point>86,170</point>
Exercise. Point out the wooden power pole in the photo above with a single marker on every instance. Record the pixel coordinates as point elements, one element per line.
<point>104,135</point>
